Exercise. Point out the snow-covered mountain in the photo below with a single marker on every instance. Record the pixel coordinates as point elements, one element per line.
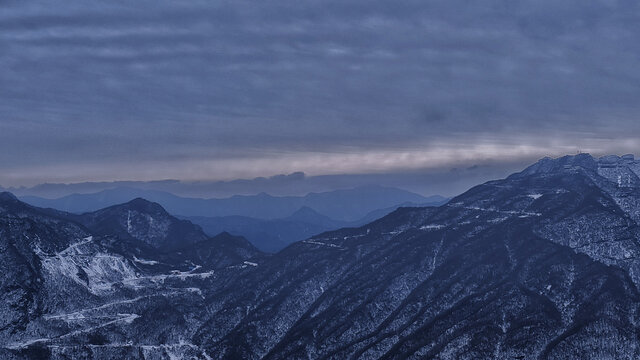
<point>540,265</point>
<point>67,280</point>
<point>144,221</point>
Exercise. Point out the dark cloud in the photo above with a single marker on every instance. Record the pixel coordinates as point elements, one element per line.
<point>134,90</point>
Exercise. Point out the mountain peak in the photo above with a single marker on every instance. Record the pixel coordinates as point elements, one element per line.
<point>550,165</point>
<point>309,215</point>
<point>144,205</point>
<point>145,221</point>
<point>230,241</point>
<point>224,234</point>
<point>305,211</point>
<point>7,196</point>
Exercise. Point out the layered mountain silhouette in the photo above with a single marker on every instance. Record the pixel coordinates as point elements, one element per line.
<point>540,265</point>
<point>271,235</point>
<point>269,222</point>
<point>274,235</point>
<point>341,205</point>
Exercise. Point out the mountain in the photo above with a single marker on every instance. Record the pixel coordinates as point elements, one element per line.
<point>61,281</point>
<point>343,205</point>
<point>141,227</point>
<point>145,221</point>
<point>378,213</point>
<point>307,215</point>
<point>541,265</point>
<point>296,183</point>
<point>82,203</point>
<point>271,235</point>
<point>274,235</point>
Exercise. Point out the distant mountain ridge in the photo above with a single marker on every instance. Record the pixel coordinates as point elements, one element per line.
<point>275,234</point>
<point>296,184</point>
<point>342,205</point>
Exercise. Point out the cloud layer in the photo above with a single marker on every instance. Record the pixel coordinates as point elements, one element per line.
<point>219,90</point>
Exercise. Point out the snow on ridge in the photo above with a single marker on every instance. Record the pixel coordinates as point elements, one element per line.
<point>80,314</point>
<point>321,243</point>
<point>129,222</point>
<point>103,270</point>
<point>498,220</point>
<point>126,318</point>
<point>432,227</point>
<point>510,212</point>
<point>145,262</point>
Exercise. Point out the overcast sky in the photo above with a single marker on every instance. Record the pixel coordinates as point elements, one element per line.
<point>217,90</point>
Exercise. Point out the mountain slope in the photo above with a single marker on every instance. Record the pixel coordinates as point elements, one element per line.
<point>22,230</point>
<point>63,284</point>
<point>219,251</point>
<point>271,235</point>
<point>492,274</point>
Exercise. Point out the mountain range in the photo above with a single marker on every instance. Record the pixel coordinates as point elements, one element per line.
<point>540,265</point>
<point>343,205</point>
<point>274,235</point>
<point>269,222</point>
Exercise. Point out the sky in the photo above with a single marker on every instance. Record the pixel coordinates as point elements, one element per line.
<point>223,90</point>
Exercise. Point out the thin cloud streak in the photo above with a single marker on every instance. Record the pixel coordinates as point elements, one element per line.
<point>437,158</point>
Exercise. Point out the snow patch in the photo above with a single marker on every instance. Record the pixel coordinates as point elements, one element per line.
<point>145,262</point>
<point>322,244</point>
<point>432,227</point>
<point>509,212</point>
<point>498,220</point>
<point>102,270</point>
<point>83,313</point>
<point>126,318</point>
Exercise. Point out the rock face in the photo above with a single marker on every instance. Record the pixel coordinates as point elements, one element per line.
<point>540,265</point>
